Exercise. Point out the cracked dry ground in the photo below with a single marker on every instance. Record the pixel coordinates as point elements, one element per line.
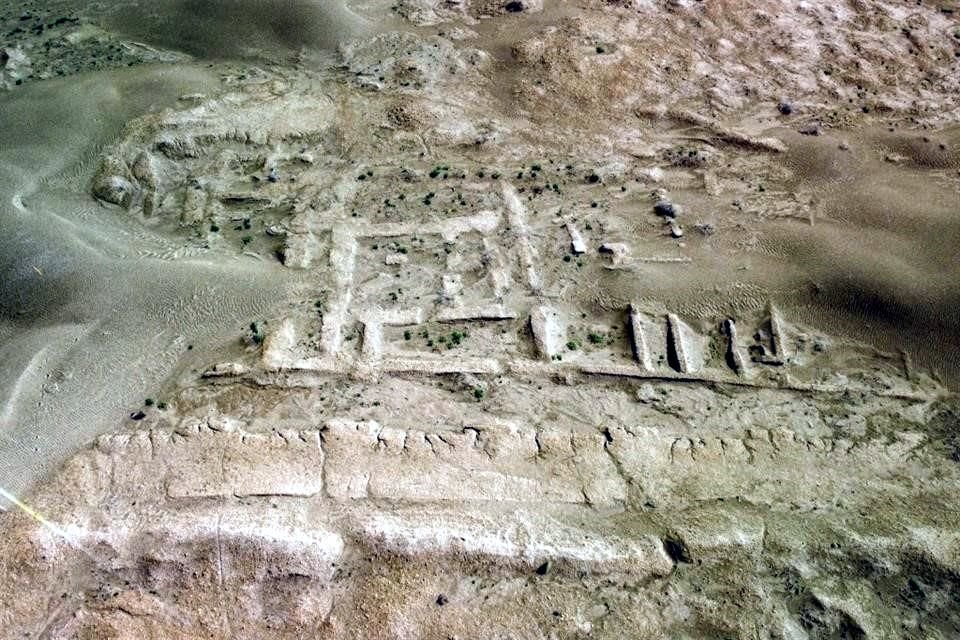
<point>604,320</point>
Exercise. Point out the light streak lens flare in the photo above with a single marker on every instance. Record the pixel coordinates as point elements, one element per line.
<point>53,527</point>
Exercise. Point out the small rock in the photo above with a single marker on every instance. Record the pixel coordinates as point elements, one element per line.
<point>276,230</point>
<point>543,569</point>
<point>442,600</point>
<point>274,175</point>
<point>810,130</point>
<point>653,174</point>
<point>666,209</point>
<point>144,170</point>
<point>617,250</point>
<point>114,189</point>
<point>306,158</point>
<point>394,259</point>
<point>13,58</point>
<point>646,393</point>
<point>138,415</point>
<point>225,369</point>
<point>677,550</point>
<point>577,243</point>
<point>223,424</point>
<point>676,230</point>
<point>785,108</point>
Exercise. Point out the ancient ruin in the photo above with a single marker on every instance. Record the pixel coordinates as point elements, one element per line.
<point>474,319</point>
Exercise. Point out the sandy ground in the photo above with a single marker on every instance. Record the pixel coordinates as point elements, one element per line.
<point>91,323</point>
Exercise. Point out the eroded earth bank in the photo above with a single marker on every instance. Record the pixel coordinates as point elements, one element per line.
<point>481,319</point>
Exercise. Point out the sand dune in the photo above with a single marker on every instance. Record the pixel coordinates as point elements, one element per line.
<point>228,28</point>
<point>110,327</point>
